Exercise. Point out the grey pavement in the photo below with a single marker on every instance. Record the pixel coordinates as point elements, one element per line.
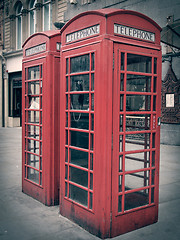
<point>24,218</point>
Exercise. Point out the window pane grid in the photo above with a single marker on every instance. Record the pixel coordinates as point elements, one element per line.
<point>137,88</point>
<point>33,124</point>
<point>79,130</point>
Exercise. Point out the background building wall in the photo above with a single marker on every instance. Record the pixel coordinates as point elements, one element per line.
<point>162,12</point>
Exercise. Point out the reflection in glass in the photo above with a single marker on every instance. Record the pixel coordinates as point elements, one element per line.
<point>92,61</point>
<point>155,65</point>
<point>139,63</point>
<point>90,200</point>
<point>33,73</point>
<point>78,194</point>
<point>120,163</point>
<point>79,120</point>
<point>154,87</point>
<point>79,158</point>
<point>33,88</point>
<point>92,82</point>
<point>138,122</point>
<point>78,176</point>
<point>122,82</point>
<point>121,102</point>
<point>136,199</point>
<point>138,83</point>
<point>80,101</point>
<point>33,131</point>
<point>33,146</point>
<point>79,64</point>
<point>80,82</point>
<point>33,116</point>
<point>120,203</point>
<point>33,160</point>
<point>122,61</point>
<point>121,123</point>
<point>120,143</point>
<point>80,139</point>
<point>138,103</point>
<point>33,175</point>
<point>34,103</point>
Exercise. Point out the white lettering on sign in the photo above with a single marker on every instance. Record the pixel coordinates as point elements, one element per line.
<point>86,32</point>
<point>134,32</point>
<point>36,49</point>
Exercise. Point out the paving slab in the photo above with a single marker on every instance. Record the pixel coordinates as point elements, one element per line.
<point>24,218</point>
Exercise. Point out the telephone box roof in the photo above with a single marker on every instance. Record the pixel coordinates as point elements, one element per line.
<point>110,12</point>
<point>48,34</point>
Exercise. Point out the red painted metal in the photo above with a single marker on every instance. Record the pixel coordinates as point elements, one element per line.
<point>102,198</point>
<point>40,117</point>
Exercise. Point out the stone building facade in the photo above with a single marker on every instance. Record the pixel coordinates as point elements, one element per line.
<point>18,20</point>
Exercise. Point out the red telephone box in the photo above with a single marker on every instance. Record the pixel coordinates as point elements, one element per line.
<point>40,116</point>
<point>109,133</point>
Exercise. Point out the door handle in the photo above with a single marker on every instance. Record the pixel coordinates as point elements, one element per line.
<point>159,121</point>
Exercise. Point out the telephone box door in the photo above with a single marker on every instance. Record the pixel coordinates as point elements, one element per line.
<point>136,145</point>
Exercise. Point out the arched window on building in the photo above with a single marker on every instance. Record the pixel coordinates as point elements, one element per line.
<point>47,15</point>
<point>19,9</point>
<point>32,17</point>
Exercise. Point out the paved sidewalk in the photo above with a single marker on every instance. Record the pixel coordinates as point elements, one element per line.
<point>23,218</point>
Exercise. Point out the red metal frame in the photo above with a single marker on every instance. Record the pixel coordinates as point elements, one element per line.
<point>149,149</point>
<point>40,117</point>
<point>93,32</point>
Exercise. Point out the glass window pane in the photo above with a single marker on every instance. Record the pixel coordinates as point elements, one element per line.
<point>121,102</point>
<point>139,63</point>
<point>92,82</point>
<point>138,122</point>
<point>155,65</point>
<point>120,203</point>
<point>32,15</point>
<point>33,160</point>
<point>46,17</point>
<point>19,32</point>
<point>136,199</point>
<point>138,83</point>
<point>80,82</point>
<point>80,101</point>
<point>80,139</point>
<point>122,82</point>
<point>33,175</point>
<point>33,131</point>
<point>33,146</point>
<point>79,195</point>
<point>155,81</point>
<point>122,61</point>
<point>79,158</point>
<point>33,88</point>
<point>137,141</point>
<point>138,103</point>
<point>33,116</point>
<point>136,180</point>
<point>79,64</point>
<point>137,161</point>
<point>33,73</point>
<point>79,120</point>
<point>121,143</point>
<point>92,61</point>
<point>90,200</point>
<point>34,103</point>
